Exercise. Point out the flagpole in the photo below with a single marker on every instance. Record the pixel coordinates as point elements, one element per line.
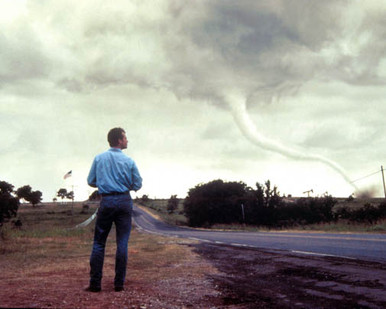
<point>67,175</point>
<point>72,204</point>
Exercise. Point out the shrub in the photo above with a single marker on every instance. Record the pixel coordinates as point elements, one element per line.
<point>367,214</point>
<point>172,204</point>
<point>304,211</point>
<point>214,202</point>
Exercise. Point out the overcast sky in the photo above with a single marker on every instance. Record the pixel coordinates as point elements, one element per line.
<point>290,91</point>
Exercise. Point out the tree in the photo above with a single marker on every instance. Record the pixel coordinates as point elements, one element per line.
<point>144,199</point>
<point>215,202</point>
<point>172,204</point>
<point>35,198</point>
<point>26,193</point>
<point>5,187</point>
<point>8,203</point>
<point>62,193</point>
<point>70,195</point>
<point>262,206</point>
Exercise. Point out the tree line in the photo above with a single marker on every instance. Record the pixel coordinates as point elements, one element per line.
<point>10,199</point>
<point>219,202</point>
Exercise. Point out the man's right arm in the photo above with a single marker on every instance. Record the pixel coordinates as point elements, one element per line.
<point>91,179</point>
<point>136,178</point>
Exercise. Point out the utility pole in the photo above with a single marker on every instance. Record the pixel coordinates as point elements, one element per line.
<point>383,179</point>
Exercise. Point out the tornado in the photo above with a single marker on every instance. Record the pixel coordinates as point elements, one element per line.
<point>240,114</point>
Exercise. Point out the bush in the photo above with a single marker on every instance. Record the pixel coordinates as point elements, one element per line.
<point>367,214</point>
<point>215,202</point>
<point>307,211</point>
<point>382,210</point>
<point>144,199</point>
<point>172,204</point>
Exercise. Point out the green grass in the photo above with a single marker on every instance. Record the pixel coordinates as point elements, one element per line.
<point>52,225</point>
<point>159,206</point>
<point>344,226</point>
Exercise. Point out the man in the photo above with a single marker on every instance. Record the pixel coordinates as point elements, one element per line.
<point>114,174</point>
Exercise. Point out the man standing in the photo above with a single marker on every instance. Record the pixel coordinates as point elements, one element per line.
<point>114,174</point>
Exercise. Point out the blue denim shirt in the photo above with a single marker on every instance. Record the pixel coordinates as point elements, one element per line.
<point>113,171</point>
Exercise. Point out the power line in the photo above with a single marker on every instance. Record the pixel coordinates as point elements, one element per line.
<point>365,176</point>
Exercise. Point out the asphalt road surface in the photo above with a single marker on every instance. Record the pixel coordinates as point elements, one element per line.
<point>357,246</point>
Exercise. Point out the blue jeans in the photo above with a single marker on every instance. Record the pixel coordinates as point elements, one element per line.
<point>117,209</point>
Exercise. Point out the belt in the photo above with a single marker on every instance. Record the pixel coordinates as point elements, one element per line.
<point>115,193</point>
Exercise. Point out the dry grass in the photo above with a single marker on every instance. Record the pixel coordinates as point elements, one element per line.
<point>45,264</point>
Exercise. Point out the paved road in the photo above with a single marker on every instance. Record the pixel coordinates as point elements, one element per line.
<point>357,246</point>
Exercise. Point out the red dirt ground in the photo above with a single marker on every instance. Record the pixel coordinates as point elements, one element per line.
<point>183,274</point>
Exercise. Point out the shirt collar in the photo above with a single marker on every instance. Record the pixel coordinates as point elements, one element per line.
<point>115,149</point>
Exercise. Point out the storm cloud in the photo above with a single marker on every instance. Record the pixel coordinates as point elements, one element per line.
<point>300,64</point>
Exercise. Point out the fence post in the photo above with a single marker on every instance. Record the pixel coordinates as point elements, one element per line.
<point>383,179</point>
<point>242,212</point>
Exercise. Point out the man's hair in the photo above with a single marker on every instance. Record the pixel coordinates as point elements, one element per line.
<point>114,135</point>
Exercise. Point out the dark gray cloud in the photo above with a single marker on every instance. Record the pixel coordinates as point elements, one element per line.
<point>21,57</point>
<point>167,69</point>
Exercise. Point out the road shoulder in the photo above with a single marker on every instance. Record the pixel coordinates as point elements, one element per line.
<point>251,278</point>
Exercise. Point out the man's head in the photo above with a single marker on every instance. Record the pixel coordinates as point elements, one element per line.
<point>117,138</point>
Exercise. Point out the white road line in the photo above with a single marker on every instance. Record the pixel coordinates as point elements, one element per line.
<point>199,239</point>
<point>318,236</point>
<point>237,245</point>
<point>321,254</point>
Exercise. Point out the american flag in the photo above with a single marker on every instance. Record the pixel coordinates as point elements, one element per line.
<point>67,175</point>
